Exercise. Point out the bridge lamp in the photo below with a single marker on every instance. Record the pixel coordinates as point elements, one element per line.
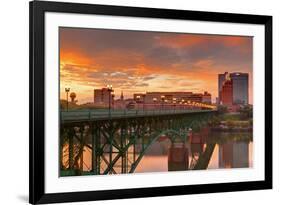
<point>143,99</point>
<point>166,101</point>
<point>67,91</point>
<point>182,102</point>
<point>138,100</point>
<point>109,89</point>
<point>154,101</point>
<point>162,98</point>
<point>174,103</point>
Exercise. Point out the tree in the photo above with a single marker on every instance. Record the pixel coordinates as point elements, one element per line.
<point>246,112</point>
<point>222,109</point>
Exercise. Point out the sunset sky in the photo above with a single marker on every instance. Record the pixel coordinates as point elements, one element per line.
<point>136,61</point>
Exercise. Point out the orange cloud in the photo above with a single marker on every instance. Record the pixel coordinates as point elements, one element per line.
<point>144,69</point>
<point>74,57</point>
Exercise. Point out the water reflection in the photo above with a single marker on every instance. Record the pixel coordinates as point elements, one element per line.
<point>232,155</point>
<point>214,151</point>
<point>201,150</point>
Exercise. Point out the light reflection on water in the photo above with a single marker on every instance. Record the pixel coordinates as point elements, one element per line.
<point>230,150</point>
<point>228,155</point>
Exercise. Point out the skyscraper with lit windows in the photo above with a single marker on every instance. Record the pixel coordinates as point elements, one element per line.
<point>240,87</point>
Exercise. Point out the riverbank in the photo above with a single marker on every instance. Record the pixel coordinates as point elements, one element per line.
<point>231,129</point>
<point>231,122</point>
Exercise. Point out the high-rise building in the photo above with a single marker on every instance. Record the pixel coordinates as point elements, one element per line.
<point>227,92</point>
<point>240,87</point>
<point>221,79</point>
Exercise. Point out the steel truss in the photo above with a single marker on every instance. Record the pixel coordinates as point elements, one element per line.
<point>118,145</point>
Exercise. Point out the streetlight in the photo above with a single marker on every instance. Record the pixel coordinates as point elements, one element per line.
<point>166,103</point>
<point>109,89</point>
<point>154,101</point>
<point>162,98</point>
<point>143,97</point>
<point>67,91</point>
<point>182,101</point>
<point>138,100</point>
<point>174,103</point>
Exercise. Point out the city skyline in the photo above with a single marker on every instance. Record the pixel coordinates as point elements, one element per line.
<point>139,62</point>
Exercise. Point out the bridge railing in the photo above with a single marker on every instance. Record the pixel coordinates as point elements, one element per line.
<point>106,114</point>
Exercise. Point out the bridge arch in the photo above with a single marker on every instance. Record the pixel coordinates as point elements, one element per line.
<point>172,135</point>
<point>114,136</point>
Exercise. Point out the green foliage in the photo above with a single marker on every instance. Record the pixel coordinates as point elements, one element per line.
<point>196,126</point>
<point>222,109</point>
<point>238,124</point>
<point>246,112</point>
<point>233,117</point>
<point>251,122</point>
<point>215,121</point>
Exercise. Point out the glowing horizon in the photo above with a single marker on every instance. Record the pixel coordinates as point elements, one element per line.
<point>139,62</point>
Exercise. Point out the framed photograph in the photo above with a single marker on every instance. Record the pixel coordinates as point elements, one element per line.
<point>140,102</point>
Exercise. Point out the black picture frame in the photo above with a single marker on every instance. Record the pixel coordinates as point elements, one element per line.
<point>37,11</point>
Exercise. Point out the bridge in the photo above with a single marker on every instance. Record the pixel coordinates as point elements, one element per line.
<point>118,139</point>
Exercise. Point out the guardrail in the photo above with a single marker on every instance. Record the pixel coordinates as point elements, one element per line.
<point>75,115</point>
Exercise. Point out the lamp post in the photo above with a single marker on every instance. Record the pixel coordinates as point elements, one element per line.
<point>67,91</point>
<point>138,100</point>
<point>182,101</point>
<point>185,105</point>
<point>162,98</point>
<point>93,96</point>
<point>174,103</point>
<point>109,89</point>
<point>143,101</point>
<point>154,101</point>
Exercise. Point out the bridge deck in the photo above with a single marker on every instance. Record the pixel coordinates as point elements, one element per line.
<point>93,115</point>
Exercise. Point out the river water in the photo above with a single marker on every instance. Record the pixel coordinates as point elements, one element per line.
<point>204,150</point>
<point>231,150</point>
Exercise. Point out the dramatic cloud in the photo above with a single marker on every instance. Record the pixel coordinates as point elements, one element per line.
<point>137,61</point>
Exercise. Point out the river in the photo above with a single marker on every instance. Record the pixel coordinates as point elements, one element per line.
<point>203,150</point>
